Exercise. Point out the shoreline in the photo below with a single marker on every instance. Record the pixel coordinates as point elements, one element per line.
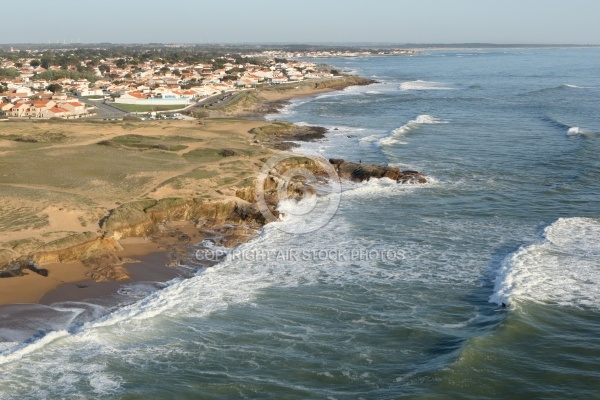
<point>153,240</point>
<point>144,258</point>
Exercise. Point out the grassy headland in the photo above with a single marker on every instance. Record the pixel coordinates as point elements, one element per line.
<point>70,190</point>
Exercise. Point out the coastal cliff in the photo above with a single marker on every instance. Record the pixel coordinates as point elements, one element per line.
<point>145,218</point>
<point>210,187</point>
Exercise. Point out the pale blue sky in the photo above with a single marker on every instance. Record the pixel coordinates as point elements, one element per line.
<point>301,21</point>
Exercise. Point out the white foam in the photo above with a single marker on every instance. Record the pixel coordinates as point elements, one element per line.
<point>424,85</point>
<point>376,187</point>
<point>397,134</point>
<point>287,110</point>
<point>578,87</point>
<point>370,139</point>
<point>577,131</point>
<point>27,348</point>
<point>562,268</point>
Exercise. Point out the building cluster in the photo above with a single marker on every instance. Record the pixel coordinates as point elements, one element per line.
<point>150,82</point>
<point>334,53</point>
<point>25,103</point>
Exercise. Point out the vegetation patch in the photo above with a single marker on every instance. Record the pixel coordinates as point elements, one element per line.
<point>273,129</point>
<point>139,142</point>
<point>204,155</point>
<point>15,219</point>
<point>38,137</point>
<point>24,245</point>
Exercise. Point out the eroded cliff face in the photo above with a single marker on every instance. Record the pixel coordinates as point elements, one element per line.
<point>143,218</point>
<point>235,217</point>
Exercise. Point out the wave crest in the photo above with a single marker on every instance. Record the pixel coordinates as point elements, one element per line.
<point>563,268</point>
<point>397,134</point>
<point>423,85</point>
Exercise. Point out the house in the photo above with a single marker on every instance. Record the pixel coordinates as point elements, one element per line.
<point>55,112</point>
<point>133,96</point>
<point>24,92</point>
<point>5,107</point>
<point>86,92</point>
<point>59,96</point>
<point>19,110</point>
<point>39,84</point>
<point>74,108</point>
<point>280,79</point>
<point>38,108</point>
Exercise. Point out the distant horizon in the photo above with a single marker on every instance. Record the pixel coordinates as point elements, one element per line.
<point>318,44</point>
<point>543,22</point>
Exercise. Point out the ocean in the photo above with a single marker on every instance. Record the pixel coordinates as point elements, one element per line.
<point>400,294</point>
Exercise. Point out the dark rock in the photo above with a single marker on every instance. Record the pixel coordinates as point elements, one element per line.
<point>363,172</point>
<point>18,267</point>
<point>228,153</point>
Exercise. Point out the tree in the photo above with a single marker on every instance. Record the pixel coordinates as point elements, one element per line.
<point>164,70</point>
<point>9,73</point>
<point>54,88</point>
<point>120,63</point>
<point>35,63</point>
<point>47,61</point>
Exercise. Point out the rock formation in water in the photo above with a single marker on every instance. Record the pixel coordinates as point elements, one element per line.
<point>363,172</point>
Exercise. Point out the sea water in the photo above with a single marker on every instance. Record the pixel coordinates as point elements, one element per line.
<point>481,284</point>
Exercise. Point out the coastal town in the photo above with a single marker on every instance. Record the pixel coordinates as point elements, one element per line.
<point>44,84</point>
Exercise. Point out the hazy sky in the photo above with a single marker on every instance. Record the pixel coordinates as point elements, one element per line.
<point>301,21</point>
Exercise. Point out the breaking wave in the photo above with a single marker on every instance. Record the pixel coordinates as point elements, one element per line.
<point>562,268</point>
<point>397,134</point>
<point>424,85</point>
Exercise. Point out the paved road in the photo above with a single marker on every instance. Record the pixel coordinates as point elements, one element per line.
<point>217,98</point>
<point>104,110</point>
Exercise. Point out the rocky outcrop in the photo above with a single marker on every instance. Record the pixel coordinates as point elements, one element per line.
<point>143,218</point>
<point>76,247</point>
<point>281,135</point>
<point>18,267</point>
<point>363,172</point>
<point>106,266</point>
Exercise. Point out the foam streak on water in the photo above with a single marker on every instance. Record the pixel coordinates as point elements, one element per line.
<point>424,85</point>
